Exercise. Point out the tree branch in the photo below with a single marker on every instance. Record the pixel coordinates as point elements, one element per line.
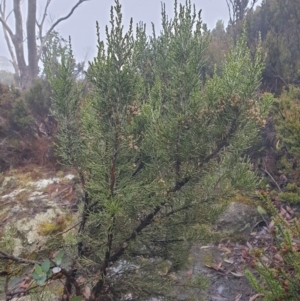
<point>7,28</point>
<point>149,218</point>
<point>6,37</point>
<point>272,178</point>
<point>40,25</point>
<point>67,16</point>
<point>17,259</point>
<point>253,3</point>
<point>229,11</point>
<point>45,38</point>
<point>11,52</point>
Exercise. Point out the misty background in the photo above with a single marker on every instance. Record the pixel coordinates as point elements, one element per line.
<point>81,26</point>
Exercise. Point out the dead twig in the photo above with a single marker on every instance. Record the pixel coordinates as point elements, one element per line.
<point>17,259</point>
<point>266,171</point>
<point>68,229</point>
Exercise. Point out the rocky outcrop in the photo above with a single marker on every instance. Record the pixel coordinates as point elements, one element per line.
<point>34,209</point>
<point>239,218</point>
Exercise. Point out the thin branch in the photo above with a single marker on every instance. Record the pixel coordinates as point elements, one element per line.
<point>11,294</point>
<point>266,171</point>
<point>40,25</point>
<point>253,3</point>
<point>70,277</point>
<point>65,231</point>
<point>17,259</point>
<point>44,40</point>
<point>178,210</point>
<point>229,11</point>
<point>67,16</point>
<point>7,17</point>
<point>7,28</point>
<point>6,37</point>
<point>149,218</point>
<point>11,52</point>
<point>45,12</point>
<point>4,6</point>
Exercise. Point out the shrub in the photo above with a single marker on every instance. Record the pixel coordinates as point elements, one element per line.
<point>278,265</point>
<point>24,122</point>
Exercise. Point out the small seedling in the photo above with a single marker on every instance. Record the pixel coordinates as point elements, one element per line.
<point>42,272</point>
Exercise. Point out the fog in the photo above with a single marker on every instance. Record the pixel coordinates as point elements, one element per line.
<point>81,25</point>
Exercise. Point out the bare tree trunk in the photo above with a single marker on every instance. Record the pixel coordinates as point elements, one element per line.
<point>18,41</point>
<point>25,74</point>
<point>31,41</point>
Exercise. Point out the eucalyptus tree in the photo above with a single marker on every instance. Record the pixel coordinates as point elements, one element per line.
<point>36,36</point>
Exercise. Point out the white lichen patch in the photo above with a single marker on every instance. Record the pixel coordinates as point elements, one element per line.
<point>36,193</point>
<point>35,196</point>
<point>69,177</point>
<point>30,227</point>
<point>44,183</point>
<point>18,247</point>
<point>13,194</point>
<point>16,209</point>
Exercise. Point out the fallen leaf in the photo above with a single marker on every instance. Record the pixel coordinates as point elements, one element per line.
<point>289,210</point>
<point>86,293</point>
<point>265,259</point>
<point>249,245</point>
<point>255,297</point>
<point>283,212</point>
<point>278,257</point>
<point>226,250</point>
<point>288,216</point>
<point>237,274</point>
<point>238,297</point>
<point>230,260</point>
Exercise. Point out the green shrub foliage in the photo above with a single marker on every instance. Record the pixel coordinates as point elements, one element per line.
<point>288,120</point>
<point>279,268</point>
<point>158,154</point>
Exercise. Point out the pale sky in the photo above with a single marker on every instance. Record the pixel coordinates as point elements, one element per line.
<point>81,25</point>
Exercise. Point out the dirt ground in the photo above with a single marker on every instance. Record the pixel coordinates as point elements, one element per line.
<point>223,265</point>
